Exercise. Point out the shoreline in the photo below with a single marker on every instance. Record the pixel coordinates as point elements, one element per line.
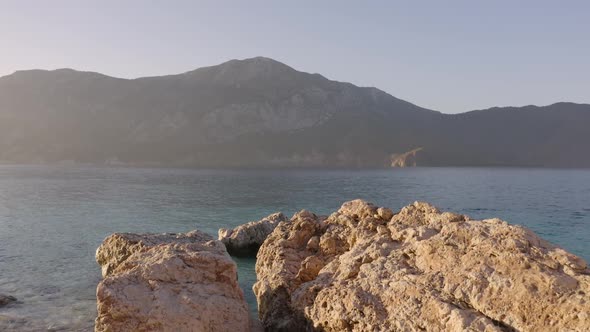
<point>309,261</point>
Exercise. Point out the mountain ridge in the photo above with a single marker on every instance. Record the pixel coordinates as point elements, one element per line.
<point>259,112</point>
<point>67,69</point>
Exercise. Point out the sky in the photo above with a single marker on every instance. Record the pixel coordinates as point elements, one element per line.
<point>451,56</point>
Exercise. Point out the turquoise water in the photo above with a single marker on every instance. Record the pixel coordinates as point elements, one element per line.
<point>53,218</point>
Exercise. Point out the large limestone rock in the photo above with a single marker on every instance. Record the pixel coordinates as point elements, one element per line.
<point>246,239</point>
<point>168,282</point>
<point>365,269</point>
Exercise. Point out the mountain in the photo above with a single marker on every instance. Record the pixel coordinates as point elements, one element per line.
<point>261,113</point>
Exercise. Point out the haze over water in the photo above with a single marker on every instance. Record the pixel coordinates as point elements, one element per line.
<point>53,218</point>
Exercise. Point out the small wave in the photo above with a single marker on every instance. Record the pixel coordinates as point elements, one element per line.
<point>578,215</point>
<point>482,209</point>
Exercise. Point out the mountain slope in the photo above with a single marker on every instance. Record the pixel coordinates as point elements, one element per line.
<point>260,112</point>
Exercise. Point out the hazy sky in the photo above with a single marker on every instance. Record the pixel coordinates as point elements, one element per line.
<point>451,56</point>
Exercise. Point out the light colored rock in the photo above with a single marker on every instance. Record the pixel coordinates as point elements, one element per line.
<point>168,282</point>
<point>419,270</point>
<point>119,246</point>
<point>246,239</point>
<point>384,213</point>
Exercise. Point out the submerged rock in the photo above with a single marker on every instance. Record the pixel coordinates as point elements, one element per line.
<point>168,282</point>
<point>365,269</point>
<point>6,300</point>
<point>245,239</point>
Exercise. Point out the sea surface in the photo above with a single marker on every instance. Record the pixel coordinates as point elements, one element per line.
<point>52,218</point>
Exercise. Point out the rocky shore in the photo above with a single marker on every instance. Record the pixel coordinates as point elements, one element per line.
<point>168,282</point>
<point>363,268</point>
<point>245,239</point>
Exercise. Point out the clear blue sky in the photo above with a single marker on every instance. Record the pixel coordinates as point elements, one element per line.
<point>452,56</point>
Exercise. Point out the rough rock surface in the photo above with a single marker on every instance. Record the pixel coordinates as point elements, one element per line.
<point>365,269</point>
<point>168,282</point>
<point>246,239</point>
<point>6,300</point>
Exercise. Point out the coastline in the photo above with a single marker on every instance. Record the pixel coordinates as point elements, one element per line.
<point>377,270</point>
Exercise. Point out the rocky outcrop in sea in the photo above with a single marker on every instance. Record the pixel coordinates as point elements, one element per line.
<point>365,269</point>
<point>247,238</point>
<point>168,282</point>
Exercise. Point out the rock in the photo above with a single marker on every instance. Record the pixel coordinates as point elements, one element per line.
<point>119,246</point>
<point>384,213</point>
<point>418,270</point>
<point>168,282</point>
<point>6,300</point>
<point>245,240</point>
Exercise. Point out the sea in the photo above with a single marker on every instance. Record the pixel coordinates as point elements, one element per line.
<point>52,218</point>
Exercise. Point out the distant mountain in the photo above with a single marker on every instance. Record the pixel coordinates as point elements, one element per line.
<point>261,113</point>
